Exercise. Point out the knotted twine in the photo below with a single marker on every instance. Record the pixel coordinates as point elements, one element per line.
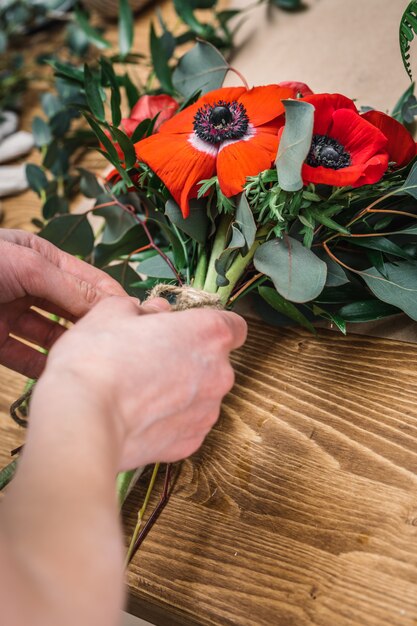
<point>185,297</point>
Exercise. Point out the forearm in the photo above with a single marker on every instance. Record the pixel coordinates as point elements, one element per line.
<point>60,515</point>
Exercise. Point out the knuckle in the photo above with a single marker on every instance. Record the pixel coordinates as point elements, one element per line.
<point>88,292</point>
<point>220,328</point>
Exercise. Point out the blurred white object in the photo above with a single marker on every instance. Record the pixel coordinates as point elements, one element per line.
<point>15,146</point>
<point>8,123</point>
<point>12,179</point>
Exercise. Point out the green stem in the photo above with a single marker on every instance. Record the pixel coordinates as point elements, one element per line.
<point>201,269</point>
<point>219,246</point>
<point>141,514</point>
<point>7,473</point>
<point>125,482</point>
<point>239,265</point>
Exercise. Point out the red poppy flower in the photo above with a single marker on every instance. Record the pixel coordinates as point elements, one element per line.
<point>401,145</point>
<point>346,149</point>
<point>231,132</point>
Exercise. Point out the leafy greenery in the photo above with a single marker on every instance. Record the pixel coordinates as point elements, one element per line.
<point>408,29</point>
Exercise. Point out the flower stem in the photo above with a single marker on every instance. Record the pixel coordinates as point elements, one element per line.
<point>219,245</point>
<point>141,514</point>
<point>239,265</point>
<point>201,269</point>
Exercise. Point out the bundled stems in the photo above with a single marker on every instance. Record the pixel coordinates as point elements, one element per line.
<point>219,245</point>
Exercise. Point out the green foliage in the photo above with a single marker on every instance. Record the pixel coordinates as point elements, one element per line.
<point>408,29</point>
<point>71,233</point>
<point>196,224</point>
<point>297,273</point>
<point>397,286</point>
<point>280,304</point>
<point>295,144</point>
<point>202,69</point>
<point>406,108</point>
<point>126,21</point>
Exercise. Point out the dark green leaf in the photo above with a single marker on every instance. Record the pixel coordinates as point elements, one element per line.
<point>184,9</point>
<point>132,92</point>
<point>157,267</point>
<point>118,221</point>
<point>203,69</point>
<point>126,22</point>
<point>406,108</point>
<point>126,145</point>
<point>93,94</point>
<point>195,225</point>
<point>115,98</point>
<point>131,239</point>
<point>36,178</point>
<point>92,34</point>
<point>397,287</point>
<point>383,245</point>
<point>297,273</point>
<point>367,311</point>
<point>410,184</point>
<point>60,123</point>
<point>336,275</point>
<point>288,5</point>
<point>71,233</point>
<point>277,302</point>
<point>68,71</point>
<point>53,206</point>
<point>51,104</point>
<point>160,61</point>
<point>295,143</point>
<point>41,132</point>
<point>245,222</point>
<point>127,277</point>
<point>89,184</point>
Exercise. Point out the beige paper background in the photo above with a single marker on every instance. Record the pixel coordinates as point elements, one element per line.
<point>348,46</point>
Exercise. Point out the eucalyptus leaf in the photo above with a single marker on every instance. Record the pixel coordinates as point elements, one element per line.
<point>36,178</point>
<point>398,286</point>
<point>410,184</point>
<point>202,69</point>
<point>71,233</point>
<point>156,267</point>
<point>280,304</point>
<point>367,311</point>
<point>383,245</point>
<point>245,221</point>
<point>195,225</point>
<point>126,276</point>
<point>89,184</point>
<point>118,222</point>
<point>42,134</point>
<point>112,248</point>
<point>336,275</point>
<point>297,273</point>
<point>126,145</point>
<point>295,143</point>
<point>54,205</point>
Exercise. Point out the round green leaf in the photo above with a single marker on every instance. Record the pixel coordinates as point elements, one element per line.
<point>297,273</point>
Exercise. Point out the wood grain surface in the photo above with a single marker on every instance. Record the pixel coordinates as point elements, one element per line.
<point>301,507</point>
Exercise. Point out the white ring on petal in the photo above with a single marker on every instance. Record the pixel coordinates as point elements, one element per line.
<point>251,132</point>
<point>203,146</point>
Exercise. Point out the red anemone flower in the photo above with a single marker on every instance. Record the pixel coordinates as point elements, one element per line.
<point>346,149</point>
<point>401,146</point>
<point>231,132</point>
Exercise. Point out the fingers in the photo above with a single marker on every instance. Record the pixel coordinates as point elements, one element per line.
<point>64,261</point>
<point>155,305</point>
<point>22,358</point>
<point>37,329</point>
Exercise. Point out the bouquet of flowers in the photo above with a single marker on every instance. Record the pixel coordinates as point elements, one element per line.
<point>296,200</point>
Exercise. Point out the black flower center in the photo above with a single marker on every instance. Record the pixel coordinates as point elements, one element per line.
<point>327,152</point>
<point>221,121</point>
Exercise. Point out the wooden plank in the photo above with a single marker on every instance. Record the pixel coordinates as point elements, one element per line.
<point>301,507</point>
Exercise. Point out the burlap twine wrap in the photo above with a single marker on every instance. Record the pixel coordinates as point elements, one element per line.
<point>183,298</point>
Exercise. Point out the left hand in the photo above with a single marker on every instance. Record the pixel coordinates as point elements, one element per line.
<point>35,273</point>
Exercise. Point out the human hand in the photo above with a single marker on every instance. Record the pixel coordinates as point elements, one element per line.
<point>35,273</point>
<point>155,381</point>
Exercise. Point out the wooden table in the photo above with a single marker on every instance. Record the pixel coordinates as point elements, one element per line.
<point>301,507</point>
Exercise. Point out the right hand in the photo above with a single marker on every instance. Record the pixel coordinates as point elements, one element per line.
<point>158,378</point>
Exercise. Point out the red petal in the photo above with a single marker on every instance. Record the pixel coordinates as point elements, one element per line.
<point>401,146</point>
<point>239,159</point>
<point>299,88</point>
<point>326,104</point>
<point>263,104</point>
<point>183,121</point>
<point>178,164</point>
<point>147,107</point>
<point>360,139</point>
<point>355,175</point>
<point>129,125</point>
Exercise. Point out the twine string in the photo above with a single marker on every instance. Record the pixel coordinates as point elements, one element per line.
<point>185,297</point>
